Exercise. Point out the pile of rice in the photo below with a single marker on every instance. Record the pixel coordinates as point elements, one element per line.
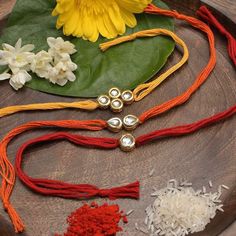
<point>179,210</point>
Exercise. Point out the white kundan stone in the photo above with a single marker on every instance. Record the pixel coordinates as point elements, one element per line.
<point>127,142</point>
<point>130,122</point>
<point>114,93</point>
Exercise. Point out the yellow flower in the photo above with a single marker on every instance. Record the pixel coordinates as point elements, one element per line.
<point>89,18</point>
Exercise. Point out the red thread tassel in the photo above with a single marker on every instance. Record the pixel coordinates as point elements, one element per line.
<point>128,191</point>
<point>207,16</point>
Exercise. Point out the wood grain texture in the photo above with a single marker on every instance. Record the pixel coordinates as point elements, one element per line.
<point>225,10</point>
<point>206,155</point>
<point>226,7</point>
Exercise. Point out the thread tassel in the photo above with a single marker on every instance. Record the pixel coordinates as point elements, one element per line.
<point>128,191</point>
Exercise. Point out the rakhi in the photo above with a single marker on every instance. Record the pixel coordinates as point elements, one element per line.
<point>85,191</point>
<point>128,143</point>
<point>74,191</point>
<point>115,99</point>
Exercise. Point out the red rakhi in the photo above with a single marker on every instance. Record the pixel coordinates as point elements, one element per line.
<point>127,142</point>
<point>74,191</point>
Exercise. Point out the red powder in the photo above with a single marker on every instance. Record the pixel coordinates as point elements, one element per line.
<point>94,220</point>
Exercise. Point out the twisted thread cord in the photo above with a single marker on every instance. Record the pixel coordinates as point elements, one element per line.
<point>143,90</point>
<point>85,105</point>
<point>203,75</point>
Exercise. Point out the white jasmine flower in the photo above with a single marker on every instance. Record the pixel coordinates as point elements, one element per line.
<point>59,47</point>
<point>19,79</point>
<point>70,65</point>
<point>18,56</point>
<point>54,65</point>
<point>41,64</point>
<point>62,73</point>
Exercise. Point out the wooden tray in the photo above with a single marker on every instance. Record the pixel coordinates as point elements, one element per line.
<point>206,155</point>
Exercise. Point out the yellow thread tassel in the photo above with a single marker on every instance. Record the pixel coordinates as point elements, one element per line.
<point>86,105</point>
<point>144,89</point>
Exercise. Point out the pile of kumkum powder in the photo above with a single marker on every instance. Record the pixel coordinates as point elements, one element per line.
<point>95,220</point>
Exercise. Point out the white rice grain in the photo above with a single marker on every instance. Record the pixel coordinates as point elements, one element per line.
<point>225,187</point>
<point>143,230</point>
<point>146,220</point>
<point>210,184</point>
<point>151,172</point>
<point>130,212</point>
<point>179,210</point>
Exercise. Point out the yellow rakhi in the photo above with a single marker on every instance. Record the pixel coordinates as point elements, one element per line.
<point>115,99</point>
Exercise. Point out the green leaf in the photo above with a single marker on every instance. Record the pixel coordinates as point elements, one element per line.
<point>125,66</point>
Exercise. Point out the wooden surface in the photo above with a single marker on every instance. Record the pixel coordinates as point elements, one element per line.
<point>206,155</point>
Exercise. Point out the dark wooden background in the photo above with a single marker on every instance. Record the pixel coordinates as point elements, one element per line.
<point>206,155</point>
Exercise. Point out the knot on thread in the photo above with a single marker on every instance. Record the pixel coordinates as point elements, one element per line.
<point>133,36</point>
<point>105,46</point>
<point>177,14</point>
<point>104,192</point>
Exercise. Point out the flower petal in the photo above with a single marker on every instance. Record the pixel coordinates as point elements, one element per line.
<point>134,6</point>
<point>89,27</point>
<point>5,76</point>
<point>27,48</point>
<point>61,82</point>
<point>102,29</point>
<point>70,25</point>
<point>116,19</point>
<point>3,55</point>
<point>18,44</point>
<point>129,18</point>
<point>63,6</point>
<point>19,79</point>
<point>71,76</point>
<point>8,47</point>
<point>51,41</point>
<point>109,25</point>
<point>14,85</point>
